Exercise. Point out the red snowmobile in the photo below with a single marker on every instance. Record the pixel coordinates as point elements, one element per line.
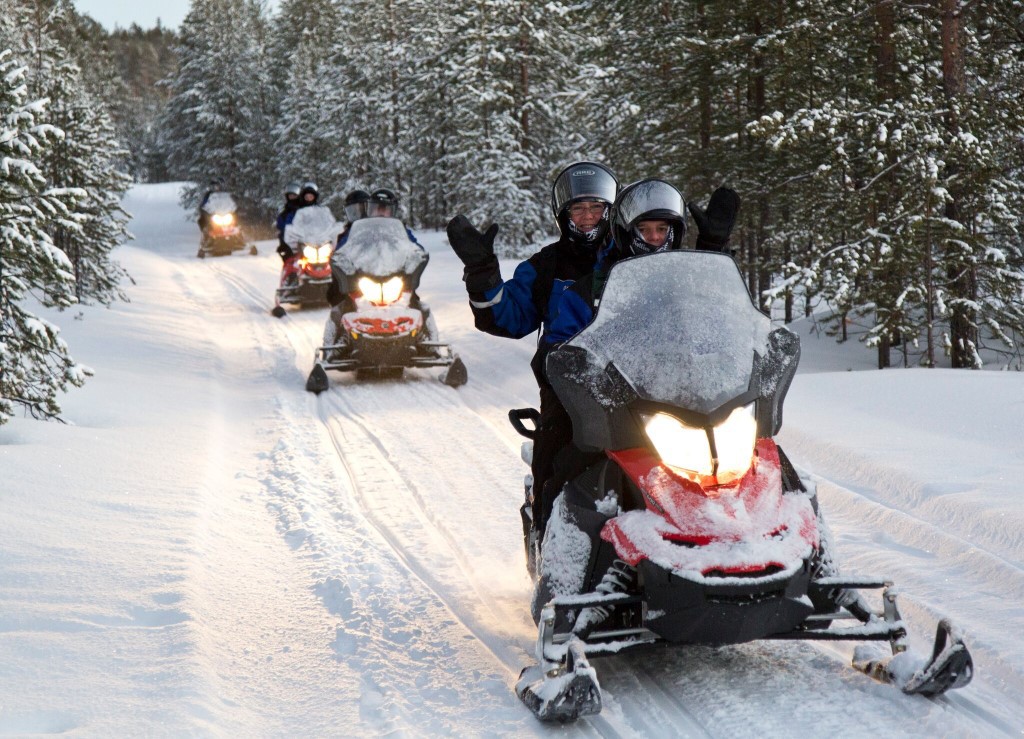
<point>306,276</point>
<point>688,524</point>
<point>222,235</point>
<point>381,327</point>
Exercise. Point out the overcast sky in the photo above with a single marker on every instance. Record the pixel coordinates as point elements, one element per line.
<point>123,13</point>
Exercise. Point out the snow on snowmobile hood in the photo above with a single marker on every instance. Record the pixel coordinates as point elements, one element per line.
<point>379,247</point>
<point>220,202</point>
<point>314,224</point>
<point>675,328</point>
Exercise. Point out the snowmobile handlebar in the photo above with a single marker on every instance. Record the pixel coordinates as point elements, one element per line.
<point>516,416</point>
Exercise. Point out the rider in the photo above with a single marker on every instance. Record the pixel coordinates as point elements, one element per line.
<point>355,209</point>
<point>381,203</point>
<point>581,198</point>
<point>216,185</point>
<point>648,217</point>
<point>291,204</point>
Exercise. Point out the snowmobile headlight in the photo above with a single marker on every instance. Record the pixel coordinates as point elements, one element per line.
<point>689,449</point>
<point>381,293</point>
<point>317,254</point>
<point>735,438</point>
<point>679,445</point>
<point>223,219</point>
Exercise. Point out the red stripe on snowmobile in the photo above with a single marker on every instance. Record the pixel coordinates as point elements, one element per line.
<point>751,509</point>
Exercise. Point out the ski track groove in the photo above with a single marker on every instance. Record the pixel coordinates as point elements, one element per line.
<point>404,557</point>
<point>924,612</point>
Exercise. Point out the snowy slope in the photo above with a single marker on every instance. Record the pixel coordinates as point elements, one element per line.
<point>208,549</point>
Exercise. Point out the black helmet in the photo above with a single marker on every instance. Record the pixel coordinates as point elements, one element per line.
<point>582,181</point>
<point>647,200</point>
<point>382,203</point>
<point>292,188</point>
<point>355,204</point>
<point>308,188</point>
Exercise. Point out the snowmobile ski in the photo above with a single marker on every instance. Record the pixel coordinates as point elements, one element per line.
<point>563,692</point>
<point>949,667</point>
<point>317,381</point>
<point>456,374</point>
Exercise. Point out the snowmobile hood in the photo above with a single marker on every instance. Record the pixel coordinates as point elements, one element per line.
<point>314,224</point>
<point>676,330</point>
<point>379,247</point>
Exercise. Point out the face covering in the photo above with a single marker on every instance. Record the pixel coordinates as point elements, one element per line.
<point>639,246</point>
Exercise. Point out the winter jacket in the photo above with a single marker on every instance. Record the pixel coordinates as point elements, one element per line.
<point>576,305</point>
<point>528,301</point>
<point>285,217</point>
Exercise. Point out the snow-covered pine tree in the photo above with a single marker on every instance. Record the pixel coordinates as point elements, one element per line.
<point>86,157</point>
<point>35,365</point>
<point>904,203</point>
<point>216,122</point>
<point>308,145</point>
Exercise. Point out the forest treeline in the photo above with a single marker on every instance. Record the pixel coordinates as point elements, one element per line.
<point>878,146</point>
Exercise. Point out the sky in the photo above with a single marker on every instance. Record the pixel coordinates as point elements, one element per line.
<point>123,13</point>
<point>206,549</point>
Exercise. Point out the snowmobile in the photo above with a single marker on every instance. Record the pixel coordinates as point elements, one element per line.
<point>306,276</point>
<point>688,524</point>
<point>381,327</point>
<point>222,235</point>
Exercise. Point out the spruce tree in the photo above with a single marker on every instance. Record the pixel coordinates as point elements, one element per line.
<point>35,365</point>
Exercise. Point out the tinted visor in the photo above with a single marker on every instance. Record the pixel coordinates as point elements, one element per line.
<point>380,210</point>
<point>654,199</point>
<point>355,211</point>
<point>583,180</point>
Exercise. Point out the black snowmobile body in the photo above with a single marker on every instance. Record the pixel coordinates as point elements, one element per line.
<point>693,528</point>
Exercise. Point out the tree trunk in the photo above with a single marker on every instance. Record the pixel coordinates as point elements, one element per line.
<point>963,332</point>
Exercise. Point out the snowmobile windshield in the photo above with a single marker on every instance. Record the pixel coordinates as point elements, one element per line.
<point>314,224</point>
<point>651,197</point>
<point>379,247</point>
<point>220,202</point>
<point>679,326</point>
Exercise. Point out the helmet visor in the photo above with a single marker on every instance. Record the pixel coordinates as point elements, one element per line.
<point>583,180</point>
<point>355,211</point>
<point>654,199</point>
<point>380,210</point>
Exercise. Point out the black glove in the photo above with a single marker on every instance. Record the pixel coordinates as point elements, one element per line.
<point>476,250</point>
<point>714,225</point>
<point>285,252</point>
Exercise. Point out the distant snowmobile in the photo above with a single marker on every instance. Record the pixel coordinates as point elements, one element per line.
<point>222,235</point>
<point>382,327</point>
<point>690,525</point>
<point>306,277</point>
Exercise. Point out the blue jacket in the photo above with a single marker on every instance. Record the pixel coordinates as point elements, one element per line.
<point>576,306</point>
<point>529,301</point>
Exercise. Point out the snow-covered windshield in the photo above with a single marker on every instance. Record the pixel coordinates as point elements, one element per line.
<point>220,202</point>
<point>679,326</point>
<point>378,247</point>
<point>314,224</point>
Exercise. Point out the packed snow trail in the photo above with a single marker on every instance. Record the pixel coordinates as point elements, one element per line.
<point>351,563</point>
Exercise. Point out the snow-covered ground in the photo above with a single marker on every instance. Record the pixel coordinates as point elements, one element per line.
<point>208,549</point>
